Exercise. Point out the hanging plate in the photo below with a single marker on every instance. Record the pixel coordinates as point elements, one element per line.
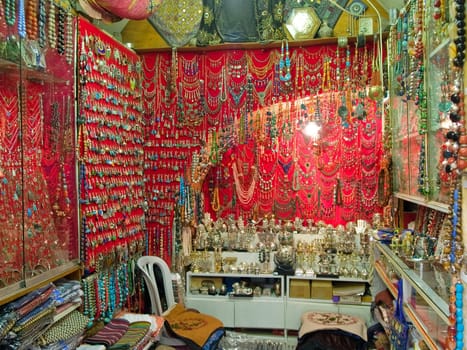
<point>302,23</point>
<point>357,8</point>
<point>178,21</point>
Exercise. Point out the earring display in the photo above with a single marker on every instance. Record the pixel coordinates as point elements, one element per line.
<point>110,141</point>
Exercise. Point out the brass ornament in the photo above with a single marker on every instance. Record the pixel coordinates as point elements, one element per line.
<point>302,23</point>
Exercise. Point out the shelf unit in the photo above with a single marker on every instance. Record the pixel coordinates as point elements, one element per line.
<point>239,311</point>
<point>442,207</point>
<point>283,311</point>
<point>295,307</point>
<point>423,303</point>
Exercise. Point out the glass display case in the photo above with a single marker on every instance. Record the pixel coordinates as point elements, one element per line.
<point>38,221</point>
<point>437,77</point>
<point>426,292</point>
<point>418,98</point>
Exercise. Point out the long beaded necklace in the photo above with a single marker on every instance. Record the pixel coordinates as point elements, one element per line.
<point>284,63</point>
<point>21,19</point>
<point>245,195</point>
<point>42,24</point>
<point>10,12</point>
<point>32,20</point>
<point>452,261</point>
<point>69,38</point>
<point>52,34</point>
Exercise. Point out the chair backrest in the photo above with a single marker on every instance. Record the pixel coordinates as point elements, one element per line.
<point>149,265</point>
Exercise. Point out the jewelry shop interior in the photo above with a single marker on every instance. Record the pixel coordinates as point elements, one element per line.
<point>232,174</point>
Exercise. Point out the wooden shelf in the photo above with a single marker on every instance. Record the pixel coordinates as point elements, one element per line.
<point>386,280</point>
<point>26,286</point>
<point>260,45</point>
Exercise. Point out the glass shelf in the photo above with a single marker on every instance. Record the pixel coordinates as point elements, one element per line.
<point>442,207</point>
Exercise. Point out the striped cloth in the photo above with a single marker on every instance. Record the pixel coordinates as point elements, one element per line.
<point>137,331</point>
<point>110,334</point>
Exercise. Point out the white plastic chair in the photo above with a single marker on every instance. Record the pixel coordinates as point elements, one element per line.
<point>147,265</point>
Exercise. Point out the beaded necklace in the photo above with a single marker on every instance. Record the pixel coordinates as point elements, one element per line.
<point>21,19</point>
<point>52,34</point>
<point>42,24</point>
<point>284,63</point>
<point>10,12</point>
<point>244,194</point>
<point>261,68</point>
<point>32,20</point>
<point>61,16</point>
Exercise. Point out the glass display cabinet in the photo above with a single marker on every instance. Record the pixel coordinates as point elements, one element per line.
<point>426,292</point>
<point>420,105</point>
<point>38,221</point>
<point>418,98</point>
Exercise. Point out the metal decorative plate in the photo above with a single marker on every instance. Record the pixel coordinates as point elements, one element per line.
<point>178,21</point>
<point>357,8</point>
<point>302,23</point>
<point>328,12</point>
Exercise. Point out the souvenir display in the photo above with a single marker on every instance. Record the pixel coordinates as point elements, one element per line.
<point>271,170</point>
<point>110,141</point>
<point>236,142</point>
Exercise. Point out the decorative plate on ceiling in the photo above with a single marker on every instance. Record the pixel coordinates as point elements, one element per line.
<point>178,21</point>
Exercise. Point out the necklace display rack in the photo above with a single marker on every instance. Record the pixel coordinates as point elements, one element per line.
<point>255,100</point>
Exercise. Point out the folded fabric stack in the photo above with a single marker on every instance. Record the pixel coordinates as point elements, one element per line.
<point>67,292</point>
<point>29,320</point>
<point>65,333</point>
<point>120,334</point>
<point>135,338</point>
<point>24,320</point>
<point>110,334</point>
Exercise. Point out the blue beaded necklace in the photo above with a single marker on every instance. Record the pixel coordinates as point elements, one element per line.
<point>21,20</point>
<point>284,62</point>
